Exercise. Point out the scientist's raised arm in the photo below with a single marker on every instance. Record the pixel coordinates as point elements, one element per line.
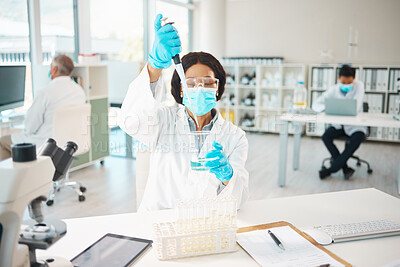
<point>142,114</point>
<point>195,153</point>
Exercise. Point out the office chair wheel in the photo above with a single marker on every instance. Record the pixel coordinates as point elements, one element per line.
<point>369,171</point>
<point>358,164</point>
<point>49,202</point>
<point>83,189</point>
<point>81,198</point>
<point>102,163</point>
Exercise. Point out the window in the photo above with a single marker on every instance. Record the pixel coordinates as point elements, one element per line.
<point>180,16</point>
<point>117,29</point>
<point>14,40</point>
<point>57,28</point>
<point>14,31</point>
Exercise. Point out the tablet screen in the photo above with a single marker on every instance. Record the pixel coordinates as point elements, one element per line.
<point>112,250</point>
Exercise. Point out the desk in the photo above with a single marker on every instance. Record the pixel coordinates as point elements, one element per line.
<point>8,122</point>
<point>302,211</point>
<point>362,119</point>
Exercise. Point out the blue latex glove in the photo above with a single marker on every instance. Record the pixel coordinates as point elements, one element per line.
<point>220,166</point>
<point>166,45</point>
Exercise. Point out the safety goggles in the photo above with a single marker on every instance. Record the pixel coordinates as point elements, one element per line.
<point>206,82</point>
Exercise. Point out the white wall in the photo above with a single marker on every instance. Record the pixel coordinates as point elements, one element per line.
<point>209,26</point>
<point>296,29</point>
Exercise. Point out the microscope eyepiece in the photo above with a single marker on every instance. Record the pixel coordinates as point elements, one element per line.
<point>70,148</point>
<point>62,159</point>
<point>23,152</point>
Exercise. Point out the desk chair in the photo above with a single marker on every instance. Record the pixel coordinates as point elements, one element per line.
<point>347,142</point>
<point>71,123</point>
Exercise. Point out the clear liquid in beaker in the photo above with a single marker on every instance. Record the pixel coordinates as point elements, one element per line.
<point>198,161</point>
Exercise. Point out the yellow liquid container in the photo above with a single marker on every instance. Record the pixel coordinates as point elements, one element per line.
<point>231,116</point>
<point>300,105</point>
<point>300,96</point>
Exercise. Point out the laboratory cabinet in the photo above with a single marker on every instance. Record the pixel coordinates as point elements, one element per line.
<point>257,94</point>
<point>94,81</point>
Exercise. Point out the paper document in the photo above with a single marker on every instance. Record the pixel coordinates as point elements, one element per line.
<point>298,250</point>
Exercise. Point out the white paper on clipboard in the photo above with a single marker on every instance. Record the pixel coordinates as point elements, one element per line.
<point>298,250</point>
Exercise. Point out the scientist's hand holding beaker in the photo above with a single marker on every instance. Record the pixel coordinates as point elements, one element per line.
<point>219,166</point>
<point>166,45</point>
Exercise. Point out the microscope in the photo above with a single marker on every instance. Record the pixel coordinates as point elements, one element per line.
<point>24,181</point>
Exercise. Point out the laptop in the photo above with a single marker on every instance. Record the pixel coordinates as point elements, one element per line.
<point>341,106</point>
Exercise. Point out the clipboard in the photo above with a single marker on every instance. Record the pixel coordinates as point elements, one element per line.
<point>304,235</point>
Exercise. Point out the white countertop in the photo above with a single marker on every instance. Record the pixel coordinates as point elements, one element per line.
<point>301,211</point>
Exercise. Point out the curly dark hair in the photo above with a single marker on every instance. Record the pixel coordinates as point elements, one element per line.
<point>203,58</point>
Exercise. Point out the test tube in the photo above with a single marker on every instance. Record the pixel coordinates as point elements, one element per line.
<point>180,218</point>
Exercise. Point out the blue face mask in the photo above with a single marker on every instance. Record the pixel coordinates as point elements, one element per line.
<point>203,100</point>
<point>346,87</point>
<point>48,74</point>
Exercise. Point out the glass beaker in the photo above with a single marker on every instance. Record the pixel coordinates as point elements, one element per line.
<point>198,160</point>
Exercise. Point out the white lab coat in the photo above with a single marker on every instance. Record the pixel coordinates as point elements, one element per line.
<point>61,92</point>
<point>165,130</point>
<point>334,92</point>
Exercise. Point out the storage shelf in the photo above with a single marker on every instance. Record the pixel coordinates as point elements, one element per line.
<point>271,109</point>
<point>277,87</point>
<point>274,66</point>
<point>241,91</point>
<point>270,88</point>
<point>382,140</point>
<point>247,107</point>
<point>246,86</point>
<point>318,89</point>
<point>372,91</point>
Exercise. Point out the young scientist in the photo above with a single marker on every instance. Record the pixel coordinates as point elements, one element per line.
<point>167,130</point>
<point>348,88</point>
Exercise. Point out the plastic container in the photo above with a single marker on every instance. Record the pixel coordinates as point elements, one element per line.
<point>206,226</point>
<point>300,97</point>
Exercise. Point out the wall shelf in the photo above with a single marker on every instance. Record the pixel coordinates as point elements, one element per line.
<point>274,82</point>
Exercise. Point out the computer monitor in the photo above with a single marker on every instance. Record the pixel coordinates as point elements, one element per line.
<point>12,87</point>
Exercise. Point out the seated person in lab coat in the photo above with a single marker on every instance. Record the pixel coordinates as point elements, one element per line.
<point>350,88</point>
<point>168,130</point>
<point>61,91</point>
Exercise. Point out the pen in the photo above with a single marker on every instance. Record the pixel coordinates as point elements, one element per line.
<point>276,240</point>
<point>324,265</point>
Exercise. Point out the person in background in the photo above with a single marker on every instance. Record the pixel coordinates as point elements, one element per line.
<point>167,130</point>
<point>62,91</point>
<point>348,88</point>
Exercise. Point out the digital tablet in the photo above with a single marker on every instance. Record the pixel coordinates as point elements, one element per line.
<point>112,250</point>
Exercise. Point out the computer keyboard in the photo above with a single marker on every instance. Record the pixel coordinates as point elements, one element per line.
<point>361,230</point>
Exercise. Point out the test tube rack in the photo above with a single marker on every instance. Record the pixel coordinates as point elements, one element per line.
<point>206,226</point>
